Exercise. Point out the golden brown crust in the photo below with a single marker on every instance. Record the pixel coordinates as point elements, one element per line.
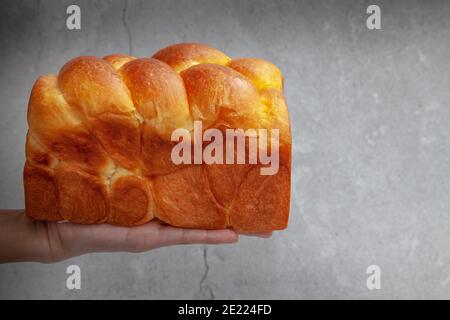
<point>41,199</point>
<point>96,90</point>
<point>158,94</point>
<point>99,142</point>
<point>262,202</point>
<point>118,60</point>
<point>120,136</point>
<point>83,198</point>
<point>156,153</point>
<point>56,126</point>
<point>231,99</point>
<point>224,181</point>
<point>262,73</point>
<point>184,55</point>
<point>131,202</point>
<point>184,199</point>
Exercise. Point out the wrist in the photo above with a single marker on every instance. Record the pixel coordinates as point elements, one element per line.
<point>23,239</point>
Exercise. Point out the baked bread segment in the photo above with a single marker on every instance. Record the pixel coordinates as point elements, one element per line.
<point>99,145</point>
<point>61,132</point>
<point>118,60</point>
<point>185,55</point>
<point>184,199</point>
<point>130,199</point>
<point>41,195</point>
<point>262,202</point>
<point>83,197</point>
<point>219,95</point>
<point>98,94</point>
<point>158,94</point>
<point>262,73</point>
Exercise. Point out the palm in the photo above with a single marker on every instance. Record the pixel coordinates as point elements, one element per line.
<point>33,240</point>
<point>76,239</point>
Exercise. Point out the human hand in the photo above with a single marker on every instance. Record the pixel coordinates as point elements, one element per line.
<point>24,239</point>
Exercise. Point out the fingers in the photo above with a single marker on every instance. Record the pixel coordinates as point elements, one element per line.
<point>173,235</point>
<point>78,239</point>
<point>155,234</point>
<point>257,234</point>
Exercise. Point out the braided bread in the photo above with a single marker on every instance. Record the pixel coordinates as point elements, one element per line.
<point>99,142</point>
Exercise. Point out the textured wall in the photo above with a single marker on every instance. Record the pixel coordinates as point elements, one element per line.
<point>370,114</point>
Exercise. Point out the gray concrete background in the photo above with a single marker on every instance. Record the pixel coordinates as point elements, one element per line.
<point>370,114</point>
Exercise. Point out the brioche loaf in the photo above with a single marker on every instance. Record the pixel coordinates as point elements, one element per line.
<point>99,143</point>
